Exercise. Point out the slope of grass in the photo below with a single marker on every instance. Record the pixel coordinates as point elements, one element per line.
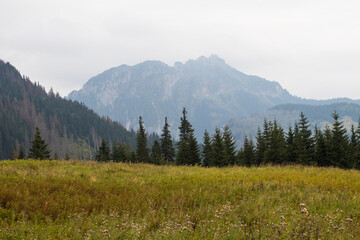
<point>89,200</point>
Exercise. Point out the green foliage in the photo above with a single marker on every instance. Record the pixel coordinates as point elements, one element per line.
<point>23,103</point>
<point>142,152</point>
<point>39,148</point>
<point>167,148</point>
<point>21,153</point>
<point>248,152</point>
<point>218,149</point>
<point>229,146</point>
<point>103,155</point>
<point>156,157</point>
<point>339,144</point>
<point>207,151</point>
<point>188,150</point>
<point>92,200</point>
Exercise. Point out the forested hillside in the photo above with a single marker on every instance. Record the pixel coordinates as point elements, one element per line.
<point>69,127</point>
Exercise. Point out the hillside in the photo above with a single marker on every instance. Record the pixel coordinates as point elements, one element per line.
<point>288,114</point>
<point>90,200</point>
<point>68,127</point>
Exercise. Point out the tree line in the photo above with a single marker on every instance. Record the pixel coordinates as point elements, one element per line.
<point>333,146</point>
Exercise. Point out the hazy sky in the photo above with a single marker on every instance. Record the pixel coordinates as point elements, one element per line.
<point>312,48</point>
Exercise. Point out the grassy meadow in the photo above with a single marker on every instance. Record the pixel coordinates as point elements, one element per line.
<point>90,200</point>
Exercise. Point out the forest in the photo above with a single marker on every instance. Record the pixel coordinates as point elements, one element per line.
<point>333,146</point>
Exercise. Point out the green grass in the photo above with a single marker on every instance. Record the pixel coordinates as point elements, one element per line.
<point>89,200</point>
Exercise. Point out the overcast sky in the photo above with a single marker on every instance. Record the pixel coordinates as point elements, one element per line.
<point>312,48</point>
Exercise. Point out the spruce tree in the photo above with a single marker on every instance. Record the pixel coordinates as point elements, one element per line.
<point>182,157</point>
<point>260,148</point>
<point>156,153</point>
<point>207,152</point>
<point>142,152</point>
<point>21,153</point>
<point>103,155</point>
<point>218,149</point>
<point>290,155</point>
<point>229,145</point>
<point>39,148</point>
<point>304,141</point>
<point>320,149</point>
<point>167,148</point>
<point>276,150</point>
<point>353,148</point>
<point>248,152</point>
<point>339,143</point>
<point>194,152</point>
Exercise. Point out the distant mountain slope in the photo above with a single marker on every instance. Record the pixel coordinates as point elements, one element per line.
<point>288,114</point>
<point>212,91</point>
<point>68,127</point>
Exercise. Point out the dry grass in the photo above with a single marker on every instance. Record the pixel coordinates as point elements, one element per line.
<point>89,200</point>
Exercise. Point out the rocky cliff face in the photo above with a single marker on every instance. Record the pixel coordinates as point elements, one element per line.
<point>212,92</point>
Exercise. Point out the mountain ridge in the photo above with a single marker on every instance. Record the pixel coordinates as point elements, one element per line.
<point>212,91</point>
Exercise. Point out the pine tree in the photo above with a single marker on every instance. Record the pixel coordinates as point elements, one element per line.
<point>339,144</point>
<point>67,157</point>
<point>229,145</point>
<point>304,141</point>
<point>194,152</point>
<point>218,149</point>
<point>156,153</point>
<point>248,152</point>
<point>353,147</point>
<point>21,153</point>
<point>320,149</point>
<point>39,148</point>
<point>207,152</point>
<point>290,155</point>
<point>103,155</point>
<point>260,148</point>
<point>142,152</point>
<point>167,148</point>
<point>182,157</point>
<point>276,150</point>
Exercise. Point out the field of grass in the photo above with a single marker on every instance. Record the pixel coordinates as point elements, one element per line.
<point>89,200</point>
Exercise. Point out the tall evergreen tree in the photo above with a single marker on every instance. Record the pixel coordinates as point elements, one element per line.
<point>182,157</point>
<point>103,155</point>
<point>260,148</point>
<point>207,151</point>
<point>320,149</point>
<point>276,150</point>
<point>142,152</point>
<point>167,148</point>
<point>229,145</point>
<point>156,153</point>
<point>39,148</point>
<point>353,147</point>
<point>194,152</point>
<point>290,155</point>
<point>304,141</point>
<point>248,152</point>
<point>339,143</point>
<point>218,149</point>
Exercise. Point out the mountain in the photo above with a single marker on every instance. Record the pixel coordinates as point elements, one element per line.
<point>288,114</point>
<point>212,92</point>
<point>68,127</point>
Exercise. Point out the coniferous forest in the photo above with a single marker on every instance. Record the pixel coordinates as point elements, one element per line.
<point>334,146</point>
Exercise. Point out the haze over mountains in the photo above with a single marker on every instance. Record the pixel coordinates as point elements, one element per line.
<point>212,92</point>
